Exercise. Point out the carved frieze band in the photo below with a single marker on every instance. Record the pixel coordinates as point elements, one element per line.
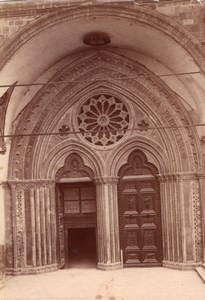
<point>19,221</point>
<point>179,177</point>
<point>29,184</point>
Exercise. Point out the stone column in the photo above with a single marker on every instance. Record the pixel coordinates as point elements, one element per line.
<point>181,220</point>
<point>34,226</point>
<point>107,223</point>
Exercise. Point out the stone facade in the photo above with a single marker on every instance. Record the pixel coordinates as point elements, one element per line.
<point>80,111</point>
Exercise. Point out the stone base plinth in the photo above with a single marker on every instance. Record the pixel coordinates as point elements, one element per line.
<point>109,266</point>
<point>32,270</point>
<point>181,266</point>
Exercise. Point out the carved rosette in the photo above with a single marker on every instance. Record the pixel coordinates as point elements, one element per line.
<point>103,120</point>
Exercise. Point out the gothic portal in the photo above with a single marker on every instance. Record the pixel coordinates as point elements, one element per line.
<point>103,163</point>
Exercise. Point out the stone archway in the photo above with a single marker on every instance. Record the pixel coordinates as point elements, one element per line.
<point>171,144</point>
<point>180,212</point>
<point>175,152</point>
<point>76,209</point>
<point>140,212</point>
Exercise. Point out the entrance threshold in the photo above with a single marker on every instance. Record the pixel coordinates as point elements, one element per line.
<point>81,248</point>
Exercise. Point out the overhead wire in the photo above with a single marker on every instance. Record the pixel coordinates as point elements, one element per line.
<point>104,131</point>
<point>100,79</point>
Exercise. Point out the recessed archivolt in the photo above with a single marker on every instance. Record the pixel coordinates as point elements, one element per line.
<point>137,14</point>
<point>55,159</point>
<point>154,152</point>
<point>150,94</point>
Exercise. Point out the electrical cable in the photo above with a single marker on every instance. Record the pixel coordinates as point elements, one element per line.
<point>104,131</point>
<point>99,79</point>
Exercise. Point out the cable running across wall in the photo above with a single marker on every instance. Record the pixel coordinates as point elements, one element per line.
<point>98,79</point>
<point>68,132</point>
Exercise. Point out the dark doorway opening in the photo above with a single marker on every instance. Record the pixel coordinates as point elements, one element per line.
<point>82,248</point>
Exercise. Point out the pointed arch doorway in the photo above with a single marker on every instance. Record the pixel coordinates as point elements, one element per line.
<point>140,213</point>
<point>77,219</point>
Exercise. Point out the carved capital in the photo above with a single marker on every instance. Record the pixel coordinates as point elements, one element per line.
<point>176,177</point>
<point>5,185</point>
<point>200,176</point>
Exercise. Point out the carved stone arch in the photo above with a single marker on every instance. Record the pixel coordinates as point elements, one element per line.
<point>134,14</point>
<point>152,150</point>
<point>56,158</point>
<point>152,96</point>
<point>74,168</point>
<point>137,164</point>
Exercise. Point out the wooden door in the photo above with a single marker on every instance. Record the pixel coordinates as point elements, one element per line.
<point>79,201</point>
<point>77,210</point>
<point>139,212</point>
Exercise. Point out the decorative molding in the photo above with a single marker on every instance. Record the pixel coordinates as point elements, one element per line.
<point>109,266</point>
<point>4,101</point>
<point>103,61</point>
<point>30,184</point>
<point>31,270</point>
<point>19,243</point>
<point>197,220</point>
<point>106,180</point>
<point>137,161</point>
<point>180,266</point>
<point>74,168</point>
<point>169,177</point>
<point>137,13</point>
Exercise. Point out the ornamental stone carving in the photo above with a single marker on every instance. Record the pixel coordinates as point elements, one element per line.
<point>103,120</point>
<point>154,93</point>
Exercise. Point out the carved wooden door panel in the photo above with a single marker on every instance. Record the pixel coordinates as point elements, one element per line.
<point>140,218</point>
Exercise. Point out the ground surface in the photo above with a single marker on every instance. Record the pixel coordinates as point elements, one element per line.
<point>126,284</point>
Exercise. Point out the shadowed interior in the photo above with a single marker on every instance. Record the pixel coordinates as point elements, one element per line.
<point>82,247</point>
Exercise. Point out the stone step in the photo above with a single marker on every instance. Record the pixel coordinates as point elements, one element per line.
<point>201,272</point>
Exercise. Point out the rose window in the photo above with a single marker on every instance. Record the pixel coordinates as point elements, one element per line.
<point>103,120</point>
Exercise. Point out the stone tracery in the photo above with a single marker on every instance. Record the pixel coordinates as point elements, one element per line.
<point>103,120</point>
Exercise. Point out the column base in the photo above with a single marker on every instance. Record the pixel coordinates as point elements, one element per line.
<point>109,266</point>
<point>31,270</point>
<point>181,266</point>
<point>2,277</point>
<point>2,267</point>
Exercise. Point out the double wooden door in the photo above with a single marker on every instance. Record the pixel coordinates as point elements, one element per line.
<point>140,217</point>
